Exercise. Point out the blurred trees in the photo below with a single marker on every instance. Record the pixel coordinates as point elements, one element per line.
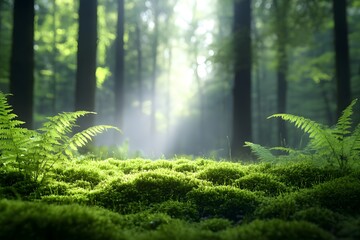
<point>242,127</point>
<point>183,89</point>
<point>86,61</point>
<point>119,65</point>
<point>22,61</point>
<point>342,67</point>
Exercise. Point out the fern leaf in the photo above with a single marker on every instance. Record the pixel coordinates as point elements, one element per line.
<point>263,153</point>
<point>344,122</point>
<point>82,138</point>
<point>317,133</point>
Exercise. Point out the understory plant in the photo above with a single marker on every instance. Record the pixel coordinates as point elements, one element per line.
<point>34,152</point>
<point>338,144</point>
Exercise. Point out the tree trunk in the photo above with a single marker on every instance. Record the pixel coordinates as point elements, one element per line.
<point>54,64</point>
<point>119,67</point>
<point>86,61</point>
<point>139,66</point>
<point>342,66</point>
<point>242,127</point>
<point>282,65</point>
<point>22,61</point>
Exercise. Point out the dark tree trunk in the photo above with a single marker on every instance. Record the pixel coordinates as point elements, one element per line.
<point>282,64</point>
<point>342,66</point>
<point>86,61</point>
<point>282,92</point>
<point>22,61</point>
<point>54,58</point>
<point>119,67</point>
<point>242,129</point>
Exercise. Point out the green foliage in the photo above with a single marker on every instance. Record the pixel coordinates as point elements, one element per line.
<point>144,189</point>
<point>278,230</point>
<point>322,217</point>
<point>303,174</point>
<point>222,174</point>
<point>177,209</point>
<point>42,221</point>
<point>224,201</point>
<point>215,224</point>
<point>33,153</point>
<point>261,182</point>
<point>337,144</point>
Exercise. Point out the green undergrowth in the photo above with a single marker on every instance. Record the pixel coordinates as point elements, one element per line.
<point>180,199</point>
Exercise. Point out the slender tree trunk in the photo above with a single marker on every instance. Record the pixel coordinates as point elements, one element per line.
<point>282,92</point>
<point>86,61</point>
<point>154,69</point>
<point>324,94</point>
<point>22,61</point>
<point>282,65</point>
<point>119,66</point>
<point>139,65</point>
<point>242,126</point>
<point>342,66</point>
<point>3,83</point>
<point>54,64</point>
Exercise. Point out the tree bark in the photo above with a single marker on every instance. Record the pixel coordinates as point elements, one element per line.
<point>86,61</point>
<point>22,61</point>
<point>282,65</point>
<point>242,127</point>
<point>342,66</point>
<point>119,67</point>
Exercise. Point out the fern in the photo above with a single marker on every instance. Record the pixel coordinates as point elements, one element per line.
<point>264,154</point>
<point>33,153</point>
<point>337,144</point>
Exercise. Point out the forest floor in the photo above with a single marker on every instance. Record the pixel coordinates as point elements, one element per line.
<point>181,199</point>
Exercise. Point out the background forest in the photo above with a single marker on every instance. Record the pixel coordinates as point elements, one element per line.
<point>163,70</point>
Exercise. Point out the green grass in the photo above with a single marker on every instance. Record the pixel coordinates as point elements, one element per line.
<point>180,199</point>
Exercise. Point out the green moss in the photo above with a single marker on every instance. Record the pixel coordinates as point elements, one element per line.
<point>145,188</point>
<point>322,217</point>
<point>221,174</point>
<point>176,209</point>
<point>261,182</point>
<point>22,220</point>
<point>223,201</point>
<point>215,224</point>
<point>277,230</point>
<point>303,175</point>
<point>340,195</point>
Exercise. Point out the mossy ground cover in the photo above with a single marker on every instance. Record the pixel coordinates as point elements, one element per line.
<point>181,199</point>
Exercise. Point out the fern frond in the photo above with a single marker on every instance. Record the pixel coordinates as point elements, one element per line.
<point>317,132</point>
<point>353,143</point>
<point>82,138</point>
<point>284,149</point>
<point>344,123</point>
<point>264,154</point>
